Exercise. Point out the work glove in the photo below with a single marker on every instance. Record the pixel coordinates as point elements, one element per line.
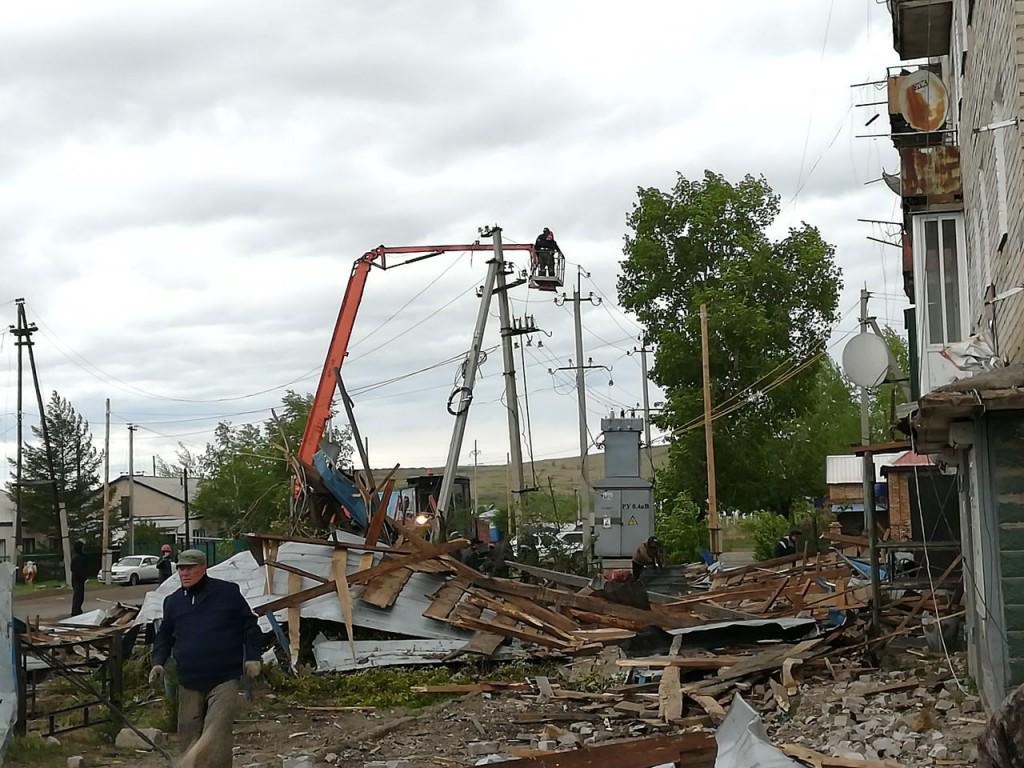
<point>156,676</point>
<point>253,669</point>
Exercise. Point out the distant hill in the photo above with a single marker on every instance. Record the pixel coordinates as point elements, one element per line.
<point>563,472</point>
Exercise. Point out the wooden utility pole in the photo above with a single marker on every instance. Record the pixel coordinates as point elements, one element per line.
<point>709,439</point>
<point>105,543</point>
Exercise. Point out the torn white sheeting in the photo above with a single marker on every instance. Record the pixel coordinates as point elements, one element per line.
<point>405,617</point>
<point>336,655</point>
<point>742,741</point>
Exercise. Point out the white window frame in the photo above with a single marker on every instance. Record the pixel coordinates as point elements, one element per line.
<point>921,281</point>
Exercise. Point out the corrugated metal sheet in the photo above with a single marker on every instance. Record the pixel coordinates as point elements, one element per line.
<point>847,469</point>
<point>405,617</point>
<point>742,741</point>
<point>931,172</point>
<point>336,655</point>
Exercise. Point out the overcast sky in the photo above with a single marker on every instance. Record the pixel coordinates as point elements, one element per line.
<point>187,184</point>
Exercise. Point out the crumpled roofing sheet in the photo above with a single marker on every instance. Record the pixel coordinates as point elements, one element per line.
<point>403,618</point>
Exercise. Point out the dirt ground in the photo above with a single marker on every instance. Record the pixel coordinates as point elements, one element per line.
<point>447,732</point>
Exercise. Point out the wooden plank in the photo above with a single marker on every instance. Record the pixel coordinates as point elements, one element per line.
<point>670,697</point>
<point>507,609</point>
<point>394,563</point>
<point>522,633</point>
<point>339,569</point>
<point>708,703</point>
<point>376,525</point>
<point>297,571</point>
<point>445,600</point>
<point>806,755</point>
<point>294,587</point>
<point>687,750</point>
<point>683,662</point>
<point>487,643</point>
<point>294,599</point>
<point>938,585</point>
<point>549,617</point>
<point>324,543</point>
<point>384,590</point>
<point>775,596</point>
<point>269,557</point>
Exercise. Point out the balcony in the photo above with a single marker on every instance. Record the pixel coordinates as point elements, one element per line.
<point>921,28</point>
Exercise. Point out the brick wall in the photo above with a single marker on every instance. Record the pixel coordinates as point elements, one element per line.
<point>989,86</point>
<point>899,506</point>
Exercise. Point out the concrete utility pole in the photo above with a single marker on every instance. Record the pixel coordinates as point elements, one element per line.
<point>581,405</point>
<point>184,485</point>
<point>24,336</point>
<point>131,488</point>
<point>464,394</point>
<point>511,391</point>
<point>105,543</point>
<point>869,482</point>
<point>643,350</point>
<point>18,332</point>
<point>709,438</point>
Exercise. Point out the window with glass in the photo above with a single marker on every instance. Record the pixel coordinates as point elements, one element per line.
<point>942,280</point>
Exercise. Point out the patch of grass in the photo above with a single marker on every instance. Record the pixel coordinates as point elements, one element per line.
<point>32,750</point>
<point>391,687</point>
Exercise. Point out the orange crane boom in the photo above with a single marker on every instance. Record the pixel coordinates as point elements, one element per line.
<point>338,349</point>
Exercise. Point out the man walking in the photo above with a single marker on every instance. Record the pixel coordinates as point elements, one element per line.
<point>78,578</point>
<point>215,639</point>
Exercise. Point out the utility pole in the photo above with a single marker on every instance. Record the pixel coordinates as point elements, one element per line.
<point>131,488</point>
<point>154,466</point>
<point>105,543</point>
<point>869,482</point>
<point>581,405</point>
<point>18,332</point>
<point>643,350</point>
<point>462,397</point>
<point>26,331</point>
<point>184,485</point>
<point>709,438</point>
<point>476,482</point>
<point>511,391</point>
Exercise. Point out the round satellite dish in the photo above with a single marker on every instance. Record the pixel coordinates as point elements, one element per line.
<point>866,360</point>
<point>922,100</point>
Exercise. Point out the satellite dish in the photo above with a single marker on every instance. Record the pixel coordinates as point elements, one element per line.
<point>866,360</point>
<point>893,181</point>
<point>922,100</point>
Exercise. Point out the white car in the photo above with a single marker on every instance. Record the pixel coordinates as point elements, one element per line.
<point>134,569</point>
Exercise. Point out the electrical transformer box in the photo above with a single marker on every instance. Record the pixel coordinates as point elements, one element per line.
<point>623,501</point>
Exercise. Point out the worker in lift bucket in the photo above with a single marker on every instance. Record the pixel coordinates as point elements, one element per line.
<point>545,247</point>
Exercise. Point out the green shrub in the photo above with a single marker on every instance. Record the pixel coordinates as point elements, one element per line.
<point>766,528</point>
<point>680,530</point>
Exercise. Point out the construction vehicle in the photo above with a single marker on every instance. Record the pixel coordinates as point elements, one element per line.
<point>329,496</point>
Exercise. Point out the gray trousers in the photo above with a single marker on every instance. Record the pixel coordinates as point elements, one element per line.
<point>204,725</point>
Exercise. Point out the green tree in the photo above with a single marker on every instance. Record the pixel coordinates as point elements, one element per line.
<point>681,530</point>
<point>772,304</point>
<point>76,463</point>
<point>887,396</point>
<point>247,482</point>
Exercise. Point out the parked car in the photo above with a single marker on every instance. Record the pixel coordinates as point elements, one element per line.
<point>134,569</point>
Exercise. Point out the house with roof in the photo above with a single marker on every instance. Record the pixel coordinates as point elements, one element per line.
<point>160,501</point>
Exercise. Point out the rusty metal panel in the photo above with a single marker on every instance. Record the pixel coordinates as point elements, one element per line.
<point>931,172</point>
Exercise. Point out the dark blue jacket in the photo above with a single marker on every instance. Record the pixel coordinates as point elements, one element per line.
<point>211,630</point>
